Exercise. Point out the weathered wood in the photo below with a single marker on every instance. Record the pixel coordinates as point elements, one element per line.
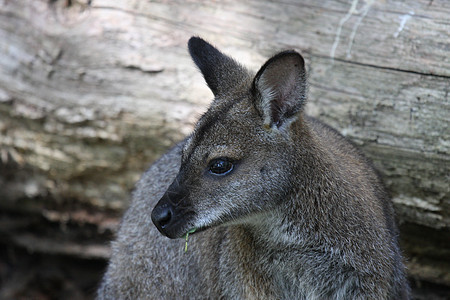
<point>91,93</point>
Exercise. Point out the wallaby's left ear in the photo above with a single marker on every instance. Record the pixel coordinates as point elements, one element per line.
<point>222,73</point>
<point>280,88</point>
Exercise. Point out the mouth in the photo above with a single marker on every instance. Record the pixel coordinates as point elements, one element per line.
<point>174,232</point>
<point>193,231</point>
<point>190,232</point>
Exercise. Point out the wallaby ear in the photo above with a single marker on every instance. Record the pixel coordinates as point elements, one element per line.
<point>280,88</point>
<point>220,71</point>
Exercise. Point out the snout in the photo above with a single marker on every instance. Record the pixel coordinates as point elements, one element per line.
<point>172,215</point>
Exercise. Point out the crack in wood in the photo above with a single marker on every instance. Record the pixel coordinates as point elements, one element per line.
<point>381,67</point>
<point>144,70</point>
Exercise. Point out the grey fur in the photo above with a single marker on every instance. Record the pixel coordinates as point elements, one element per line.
<point>302,215</point>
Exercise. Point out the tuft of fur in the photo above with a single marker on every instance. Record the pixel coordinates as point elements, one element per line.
<point>300,215</point>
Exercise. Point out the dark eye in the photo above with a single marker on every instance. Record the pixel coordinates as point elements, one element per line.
<point>220,166</point>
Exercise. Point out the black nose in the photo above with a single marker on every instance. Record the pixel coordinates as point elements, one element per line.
<point>162,216</point>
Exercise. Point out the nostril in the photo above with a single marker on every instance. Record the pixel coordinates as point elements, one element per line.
<point>165,218</point>
<point>162,216</point>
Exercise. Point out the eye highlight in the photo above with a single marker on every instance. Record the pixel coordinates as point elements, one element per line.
<point>220,166</point>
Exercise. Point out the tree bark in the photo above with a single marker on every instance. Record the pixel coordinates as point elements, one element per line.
<point>91,92</point>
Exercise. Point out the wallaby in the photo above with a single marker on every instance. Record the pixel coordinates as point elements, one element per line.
<point>283,207</point>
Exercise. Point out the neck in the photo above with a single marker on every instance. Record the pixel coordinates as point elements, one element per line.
<point>275,230</point>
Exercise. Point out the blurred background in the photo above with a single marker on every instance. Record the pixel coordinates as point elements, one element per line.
<point>91,92</point>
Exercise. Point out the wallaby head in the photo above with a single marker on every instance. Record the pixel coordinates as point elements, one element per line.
<point>238,161</point>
